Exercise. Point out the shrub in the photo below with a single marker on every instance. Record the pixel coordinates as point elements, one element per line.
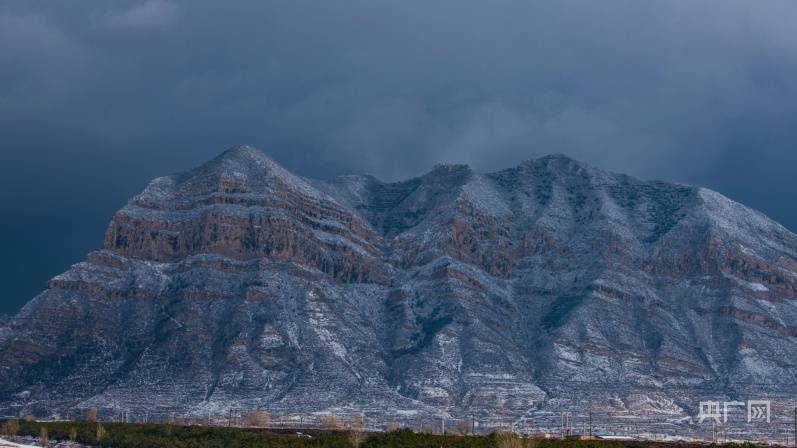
<point>258,419</point>
<point>355,422</point>
<point>428,429</point>
<point>356,438</point>
<point>331,421</point>
<point>509,440</point>
<point>10,427</point>
<point>406,438</point>
<point>101,433</point>
<point>44,437</point>
<point>464,427</point>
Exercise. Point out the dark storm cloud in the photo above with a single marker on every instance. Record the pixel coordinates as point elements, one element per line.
<point>98,97</point>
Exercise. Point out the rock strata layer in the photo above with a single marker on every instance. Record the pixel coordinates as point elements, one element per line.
<point>550,285</point>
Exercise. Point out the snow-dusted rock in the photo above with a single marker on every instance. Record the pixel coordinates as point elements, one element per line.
<point>551,285</point>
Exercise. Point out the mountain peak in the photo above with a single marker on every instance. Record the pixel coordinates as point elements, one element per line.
<point>451,168</point>
<point>242,152</point>
<point>239,169</point>
<point>556,162</point>
<point>250,165</point>
<point>449,285</point>
<point>240,157</point>
<point>561,161</point>
<point>559,156</point>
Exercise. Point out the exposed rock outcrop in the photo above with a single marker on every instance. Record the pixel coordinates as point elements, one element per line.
<point>241,285</point>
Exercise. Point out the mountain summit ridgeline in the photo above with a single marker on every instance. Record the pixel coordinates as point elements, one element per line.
<point>549,285</point>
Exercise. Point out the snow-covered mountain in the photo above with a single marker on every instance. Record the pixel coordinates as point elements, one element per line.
<point>239,285</point>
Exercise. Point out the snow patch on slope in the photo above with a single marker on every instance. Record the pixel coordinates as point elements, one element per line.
<point>481,193</point>
<point>742,223</point>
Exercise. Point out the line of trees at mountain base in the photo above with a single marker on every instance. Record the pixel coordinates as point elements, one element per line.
<point>261,419</point>
<point>140,435</point>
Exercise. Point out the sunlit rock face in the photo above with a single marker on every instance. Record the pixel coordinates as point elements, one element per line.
<point>550,285</point>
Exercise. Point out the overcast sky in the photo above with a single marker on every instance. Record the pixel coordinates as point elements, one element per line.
<point>98,97</point>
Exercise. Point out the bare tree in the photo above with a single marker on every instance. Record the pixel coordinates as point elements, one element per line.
<point>513,440</point>
<point>464,427</point>
<point>30,418</point>
<point>357,437</point>
<point>258,419</point>
<point>91,415</point>
<point>10,427</point>
<point>331,421</point>
<point>355,422</point>
<point>392,426</point>
<point>44,436</point>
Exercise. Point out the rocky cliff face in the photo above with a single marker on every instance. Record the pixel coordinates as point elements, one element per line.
<point>544,286</point>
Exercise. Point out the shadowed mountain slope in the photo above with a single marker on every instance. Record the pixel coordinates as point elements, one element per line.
<point>238,285</point>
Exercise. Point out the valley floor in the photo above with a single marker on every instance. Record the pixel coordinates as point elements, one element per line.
<point>66,434</point>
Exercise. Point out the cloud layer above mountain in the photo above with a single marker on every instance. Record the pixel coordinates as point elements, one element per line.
<point>111,94</point>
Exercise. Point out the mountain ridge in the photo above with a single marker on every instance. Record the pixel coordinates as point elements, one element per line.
<point>240,285</point>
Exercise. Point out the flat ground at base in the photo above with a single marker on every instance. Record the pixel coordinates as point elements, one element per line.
<point>132,435</point>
